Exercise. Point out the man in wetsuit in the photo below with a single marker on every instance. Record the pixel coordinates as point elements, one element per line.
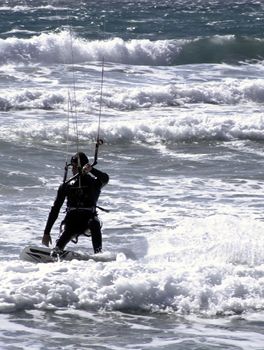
<point>82,194</point>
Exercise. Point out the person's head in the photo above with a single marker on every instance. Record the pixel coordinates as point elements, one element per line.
<point>78,160</point>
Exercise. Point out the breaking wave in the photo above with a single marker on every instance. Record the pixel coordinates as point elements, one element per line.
<point>149,130</point>
<point>50,48</point>
<point>227,92</point>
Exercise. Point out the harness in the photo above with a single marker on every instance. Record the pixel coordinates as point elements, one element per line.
<point>91,209</point>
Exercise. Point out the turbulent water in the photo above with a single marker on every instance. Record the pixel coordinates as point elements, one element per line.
<point>175,90</point>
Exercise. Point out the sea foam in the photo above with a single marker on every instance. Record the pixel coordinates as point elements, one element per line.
<point>200,282</point>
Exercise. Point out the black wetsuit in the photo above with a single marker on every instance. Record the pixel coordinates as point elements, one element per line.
<point>82,195</point>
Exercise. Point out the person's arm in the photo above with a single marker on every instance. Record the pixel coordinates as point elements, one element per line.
<point>102,177</point>
<point>53,215</point>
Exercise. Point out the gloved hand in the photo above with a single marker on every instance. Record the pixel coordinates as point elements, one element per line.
<point>87,168</point>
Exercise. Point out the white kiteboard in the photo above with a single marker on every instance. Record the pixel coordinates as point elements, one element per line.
<point>42,255</point>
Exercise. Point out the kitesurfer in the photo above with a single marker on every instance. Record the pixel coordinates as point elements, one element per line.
<point>82,194</point>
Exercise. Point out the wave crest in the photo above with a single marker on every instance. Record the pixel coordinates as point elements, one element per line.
<point>62,47</point>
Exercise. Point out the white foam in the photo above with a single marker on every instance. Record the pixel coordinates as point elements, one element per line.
<point>205,266</point>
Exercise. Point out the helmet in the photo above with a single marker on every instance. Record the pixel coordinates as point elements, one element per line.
<point>79,158</point>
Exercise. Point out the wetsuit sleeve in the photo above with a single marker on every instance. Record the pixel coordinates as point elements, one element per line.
<point>55,209</point>
<point>102,177</point>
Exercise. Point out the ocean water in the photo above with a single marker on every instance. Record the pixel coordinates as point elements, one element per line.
<point>175,90</point>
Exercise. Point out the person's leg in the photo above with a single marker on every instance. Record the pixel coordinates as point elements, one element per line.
<point>95,228</point>
<point>63,240</point>
<point>68,226</point>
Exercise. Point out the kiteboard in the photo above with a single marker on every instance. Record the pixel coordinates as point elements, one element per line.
<point>42,255</point>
